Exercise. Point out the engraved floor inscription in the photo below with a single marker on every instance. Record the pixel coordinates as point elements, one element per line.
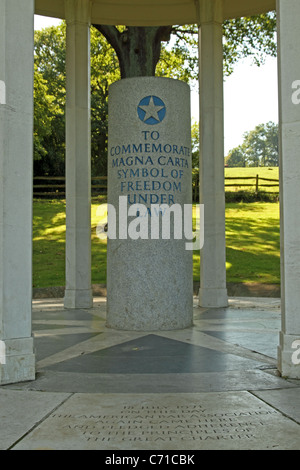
<point>165,424</point>
<point>185,421</point>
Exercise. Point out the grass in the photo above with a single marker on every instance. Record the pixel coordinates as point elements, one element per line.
<point>252,239</point>
<point>253,242</point>
<point>48,243</point>
<point>262,171</point>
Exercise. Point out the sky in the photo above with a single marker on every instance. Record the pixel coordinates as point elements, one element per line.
<point>250,96</point>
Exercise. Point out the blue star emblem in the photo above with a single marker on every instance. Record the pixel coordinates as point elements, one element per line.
<point>151,110</point>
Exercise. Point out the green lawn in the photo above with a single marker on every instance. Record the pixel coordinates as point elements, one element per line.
<point>264,172</point>
<point>253,242</point>
<point>252,237</point>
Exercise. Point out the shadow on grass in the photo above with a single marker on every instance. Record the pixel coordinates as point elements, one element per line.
<point>49,226</point>
<point>49,236</point>
<point>253,244</point>
<point>252,239</point>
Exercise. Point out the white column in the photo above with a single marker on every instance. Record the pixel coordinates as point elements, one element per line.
<point>289,119</point>
<point>16,171</point>
<point>78,292</point>
<point>213,292</point>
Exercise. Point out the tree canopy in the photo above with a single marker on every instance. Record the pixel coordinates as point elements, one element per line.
<point>139,49</point>
<point>253,37</point>
<point>50,99</point>
<point>50,96</point>
<point>259,148</point>
<point>171,51</point>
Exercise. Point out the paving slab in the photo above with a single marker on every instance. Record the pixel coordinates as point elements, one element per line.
<point>212,386</point>
<point>155,354</point>
<point>264,344</point>
<point>78,382</point>
<point>20,411</point>
<point>199,421</point>
<point>286,401</point>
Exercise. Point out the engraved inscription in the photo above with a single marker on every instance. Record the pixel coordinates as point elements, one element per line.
<point>165,424</point>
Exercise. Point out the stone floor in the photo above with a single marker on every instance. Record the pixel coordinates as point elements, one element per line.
<point>212,386</point>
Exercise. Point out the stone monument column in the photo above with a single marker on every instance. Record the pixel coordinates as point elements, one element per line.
<point>149,273</point>
<point>78,293</point>
<point>17,360</point>
<point>289,120</point>
<point>213,291</point>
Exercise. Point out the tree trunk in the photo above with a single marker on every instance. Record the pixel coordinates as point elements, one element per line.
<point>138,48</point>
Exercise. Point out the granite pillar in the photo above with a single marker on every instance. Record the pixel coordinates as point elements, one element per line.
<point>149,272</point>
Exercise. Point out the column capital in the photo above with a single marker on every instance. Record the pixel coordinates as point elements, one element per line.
<point>78,11</point>
<point>209,11</point>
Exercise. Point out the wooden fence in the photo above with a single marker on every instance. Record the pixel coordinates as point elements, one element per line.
<point>256,182</point>
<point>233,183</point>
<point>49,187</point>
<point>55,186</point>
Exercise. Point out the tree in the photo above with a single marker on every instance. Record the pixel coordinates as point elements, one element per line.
<point>104,71</point>
<point>49,101</point>
<point>139,48</point>
<point>195,145</point>
<point>253,36</point>
<point>236,157</point>
<point>261,145</point>
<point>259,148</point>
<point>43,116</point>
<point>50,92</point>
<point>130,51</point>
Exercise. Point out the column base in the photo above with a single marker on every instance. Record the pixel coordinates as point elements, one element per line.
<point>17,361</point>
<point>213,298</point>
<point>289,356</point>
<point>78,298</point>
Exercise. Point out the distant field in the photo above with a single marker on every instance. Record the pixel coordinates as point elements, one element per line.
<point>265,172</point>
<point>262,172</point>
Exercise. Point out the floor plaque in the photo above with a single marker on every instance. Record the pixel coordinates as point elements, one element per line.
<point>227,420</point>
